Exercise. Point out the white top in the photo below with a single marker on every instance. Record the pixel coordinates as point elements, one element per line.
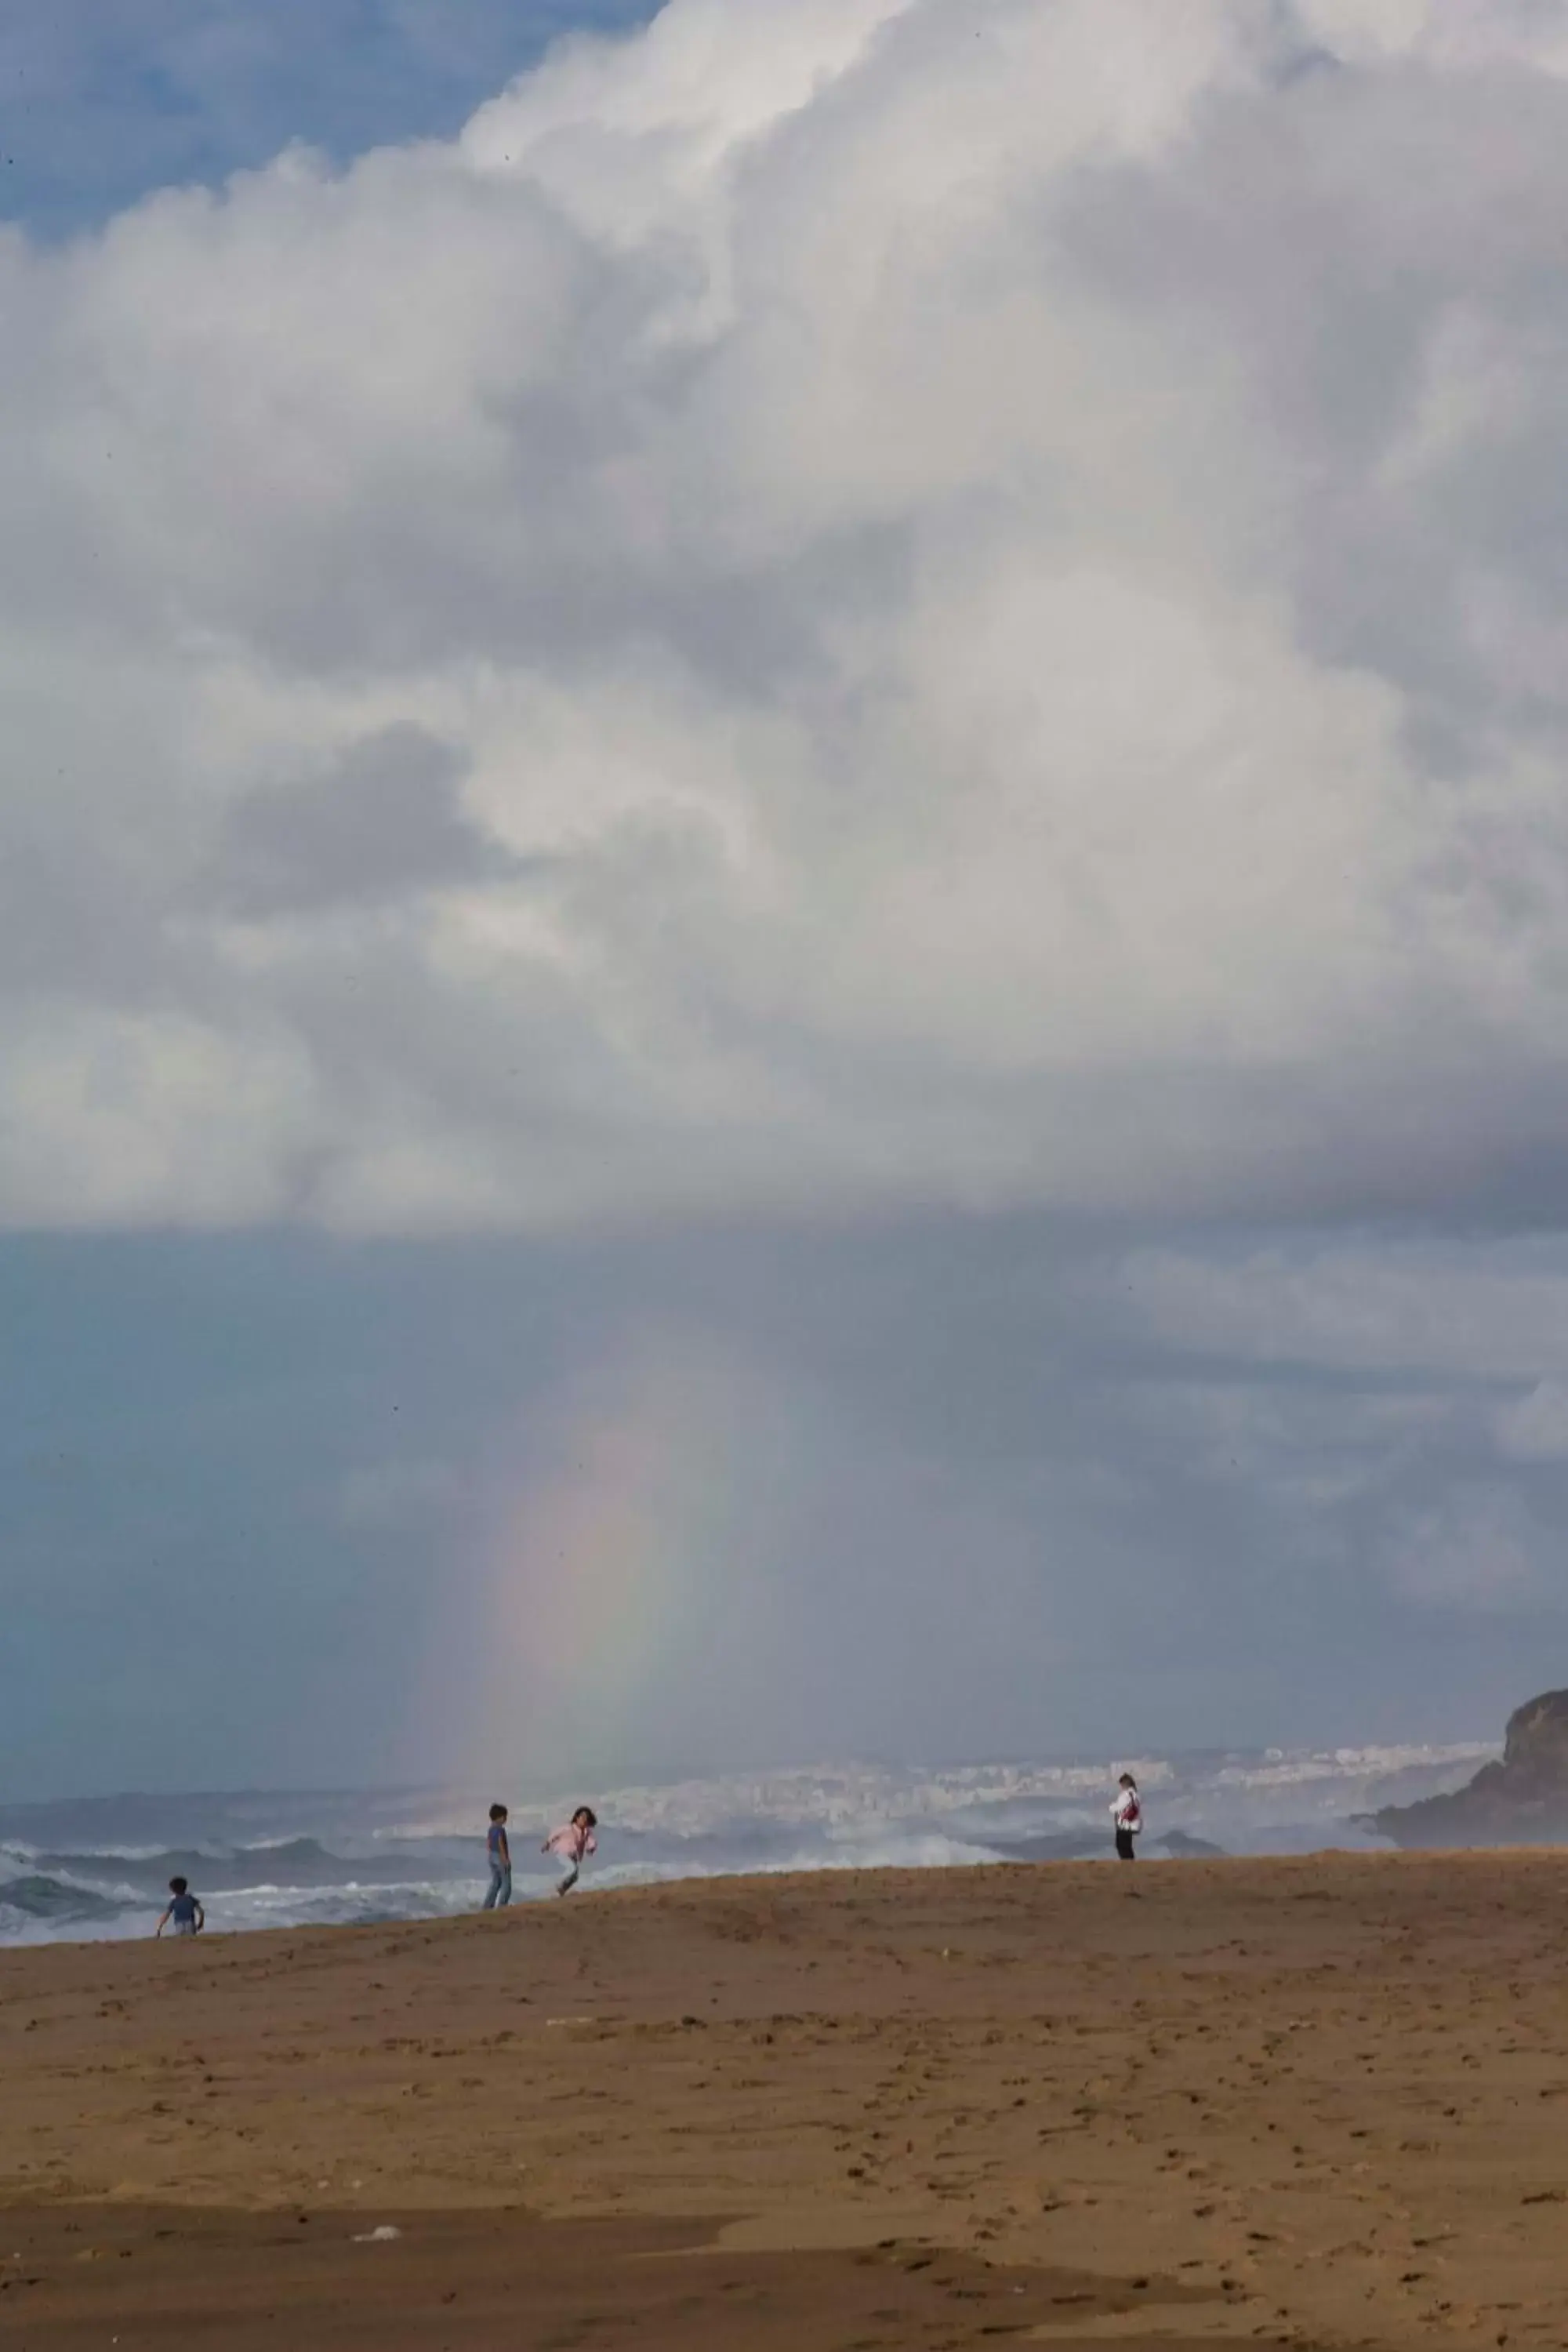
<point>1127,1812</point>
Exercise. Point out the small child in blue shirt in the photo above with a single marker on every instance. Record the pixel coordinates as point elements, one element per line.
<point>500,1853</point>
<point>184,1913</point>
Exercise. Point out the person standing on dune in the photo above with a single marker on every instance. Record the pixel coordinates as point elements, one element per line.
<point>500,1855</point>
<point>1127,1814</point>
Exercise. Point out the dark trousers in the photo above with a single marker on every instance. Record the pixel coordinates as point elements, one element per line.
<point>1125,1851</point>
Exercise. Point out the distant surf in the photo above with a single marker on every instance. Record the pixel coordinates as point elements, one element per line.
<point>100,1867</point>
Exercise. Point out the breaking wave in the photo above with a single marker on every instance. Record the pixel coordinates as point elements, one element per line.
<point>101,1867</point>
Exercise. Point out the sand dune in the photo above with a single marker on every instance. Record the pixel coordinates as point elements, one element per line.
<point>1314,2102</point>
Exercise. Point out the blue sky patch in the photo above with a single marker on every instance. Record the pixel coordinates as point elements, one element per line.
<point>100,104</point>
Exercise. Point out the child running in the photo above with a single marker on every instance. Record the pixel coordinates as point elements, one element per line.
<point>500,1853</point>
<point>184,1913</point>
<point>573,1841</point>
<point>1127,1814</point>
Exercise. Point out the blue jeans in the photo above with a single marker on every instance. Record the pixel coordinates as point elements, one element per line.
<point>499,1895</point>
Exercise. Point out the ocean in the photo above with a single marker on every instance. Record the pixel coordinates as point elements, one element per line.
<point>90,1868</point>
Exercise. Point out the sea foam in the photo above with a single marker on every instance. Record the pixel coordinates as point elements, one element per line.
<point>101,1867</point>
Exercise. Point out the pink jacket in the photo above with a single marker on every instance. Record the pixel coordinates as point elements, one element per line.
<point>574,1839</point>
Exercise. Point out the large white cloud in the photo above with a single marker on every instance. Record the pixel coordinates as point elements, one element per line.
<point>843,602</point>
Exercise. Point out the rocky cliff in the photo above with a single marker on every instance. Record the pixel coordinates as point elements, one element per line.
<point>1523,1800</point>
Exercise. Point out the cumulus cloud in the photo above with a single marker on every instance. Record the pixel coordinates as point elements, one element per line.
<point>383,823</point>
<point>839,603</point>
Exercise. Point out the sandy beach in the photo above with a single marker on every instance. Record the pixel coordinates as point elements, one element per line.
<point>1316,2102</point>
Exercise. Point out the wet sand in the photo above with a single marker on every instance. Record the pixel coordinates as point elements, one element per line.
<point>1320,2102</point>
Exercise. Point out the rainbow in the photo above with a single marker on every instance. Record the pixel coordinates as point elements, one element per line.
<point>610,1555</point>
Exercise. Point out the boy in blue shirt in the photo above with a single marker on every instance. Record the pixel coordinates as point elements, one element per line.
<point>500,1853</point>
<point>185,1912</point>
